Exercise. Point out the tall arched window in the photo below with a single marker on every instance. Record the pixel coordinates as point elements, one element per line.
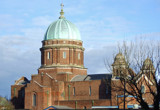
<point>90,90</point>
<point>64,55</point>
<point>48,55</point>
<point>79,56</point>
<point>74,91</point>
<point>14,92</point>
<point>142,89</point>
<point>34,99</point>
<point>107,90</point>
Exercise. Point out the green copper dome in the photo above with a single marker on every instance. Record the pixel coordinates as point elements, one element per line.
<point>62,29</point>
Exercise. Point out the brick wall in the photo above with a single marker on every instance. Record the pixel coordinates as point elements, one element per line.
<point>62,73</point>
<point>56,48</point>
<point>82,90</point>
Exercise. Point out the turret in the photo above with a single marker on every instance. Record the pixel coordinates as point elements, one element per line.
<point>148,69</point>
<point>119,66</point>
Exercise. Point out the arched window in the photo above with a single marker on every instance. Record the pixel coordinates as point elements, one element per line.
<point>34,99</point>
<point>14,92</point>
<point>48,55</point>
<point>142,89</point>
<point>107,90</point>
<point>90,91</point>
<point>22,93</point>
<point>79,56</point>
<point>74,91</point>
<point>64,55</point>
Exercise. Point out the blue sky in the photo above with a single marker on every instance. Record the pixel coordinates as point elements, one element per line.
<point>102,24</point>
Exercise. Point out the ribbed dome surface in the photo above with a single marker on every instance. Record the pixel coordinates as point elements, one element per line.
<point>148,65</point>
<point>62,29</point>
<point>119,56</point>
<point>119,60</point>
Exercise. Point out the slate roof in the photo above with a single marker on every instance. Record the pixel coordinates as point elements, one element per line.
<point>91,77</point>
<point>22,81</point>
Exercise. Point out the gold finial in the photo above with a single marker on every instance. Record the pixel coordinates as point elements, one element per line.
<point>61,13</point>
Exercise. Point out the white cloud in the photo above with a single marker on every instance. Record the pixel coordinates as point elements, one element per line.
<point>42,21</point>
<point>9,22</point>
<point>94,59</point>
<point>149,36</point>
<point>20,56</point>
<point>119,24</point>
<point>104,31</point>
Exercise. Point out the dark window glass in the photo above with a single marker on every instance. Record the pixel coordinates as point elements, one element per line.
<point>34,99</point>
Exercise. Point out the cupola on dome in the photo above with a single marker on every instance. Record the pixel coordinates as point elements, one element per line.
<point>148,65</point>
<point>62,29</point>
<point>119,60</point>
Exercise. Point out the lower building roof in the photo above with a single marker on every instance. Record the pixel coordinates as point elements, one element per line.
<point>58,107</point>
<point>91,77</point>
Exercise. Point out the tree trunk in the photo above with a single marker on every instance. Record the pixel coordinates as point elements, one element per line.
<point>145,106</point>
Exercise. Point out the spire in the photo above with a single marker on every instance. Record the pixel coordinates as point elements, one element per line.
<point>61,13</point>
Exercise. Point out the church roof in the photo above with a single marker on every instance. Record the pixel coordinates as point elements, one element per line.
<point>62,29</point>
<point>91,77</point>
<point>22,81</point>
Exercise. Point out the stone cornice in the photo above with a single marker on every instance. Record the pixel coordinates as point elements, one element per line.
<point>64,66</point>
<point>63,40</point>
<point>63,46</point>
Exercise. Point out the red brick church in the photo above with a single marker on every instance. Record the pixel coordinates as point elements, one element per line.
<point>62,80</point>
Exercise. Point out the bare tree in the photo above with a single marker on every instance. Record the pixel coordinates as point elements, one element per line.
<point>138,76</point>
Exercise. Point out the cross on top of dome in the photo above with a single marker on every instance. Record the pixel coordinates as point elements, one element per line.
<point>62,6</point>
<point>61,13</point>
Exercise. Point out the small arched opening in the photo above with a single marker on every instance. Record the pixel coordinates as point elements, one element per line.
<point>34,99</point>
